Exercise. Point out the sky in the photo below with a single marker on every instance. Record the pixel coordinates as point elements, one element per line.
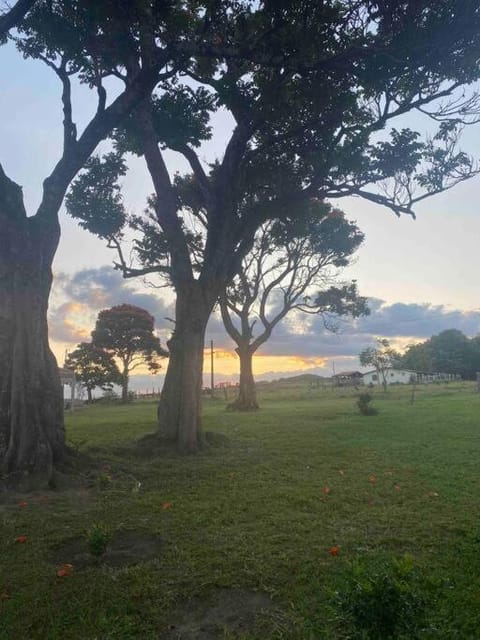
<point>421,276</point>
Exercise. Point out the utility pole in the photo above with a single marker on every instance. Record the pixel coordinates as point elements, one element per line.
<point>212,376</point>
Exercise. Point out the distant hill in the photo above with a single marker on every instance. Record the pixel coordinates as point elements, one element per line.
<point>297,381</point>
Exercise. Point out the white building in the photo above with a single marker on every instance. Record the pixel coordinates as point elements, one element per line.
<point>392,376</point>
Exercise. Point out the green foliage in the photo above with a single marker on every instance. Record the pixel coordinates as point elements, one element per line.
<point>450,351</point>
<point>95,196</point>
<point>417,357</point>
<point>363,404</point>
<point>93,366</point>
<point>385,600</point>
<point>126,331</point>
<point>98,537</point>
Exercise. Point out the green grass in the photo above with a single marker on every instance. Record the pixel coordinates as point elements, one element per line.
<point>250,513</point>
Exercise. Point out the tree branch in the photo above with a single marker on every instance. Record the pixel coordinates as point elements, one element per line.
<point>13,17</point>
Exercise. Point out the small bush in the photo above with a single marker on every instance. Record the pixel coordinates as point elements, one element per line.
<point>98,538</point>
<point>363,404</point>
<point>385,601</point>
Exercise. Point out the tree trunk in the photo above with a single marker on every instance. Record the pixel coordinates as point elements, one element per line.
<point>89,395</point>
<point>32,438</point>
<point>125,383</point>
<point>179,410</point>
<point>247,395</point>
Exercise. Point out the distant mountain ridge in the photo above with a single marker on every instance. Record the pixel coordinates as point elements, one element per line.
<point>303,378</point>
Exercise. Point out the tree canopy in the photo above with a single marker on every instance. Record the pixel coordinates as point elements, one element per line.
<point>450,351</point>
<point>126,332</point>
<point>93,367</point>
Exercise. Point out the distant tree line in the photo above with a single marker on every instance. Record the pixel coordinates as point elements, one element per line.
<point>451,351</point>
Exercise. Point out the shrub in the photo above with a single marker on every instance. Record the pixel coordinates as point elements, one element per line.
<point>363,404</point>
<point>98,538</point>
<point>384,601</point>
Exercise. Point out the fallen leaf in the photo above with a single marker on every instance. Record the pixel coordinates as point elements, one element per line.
<point>372,479</point>
<point>4,595</point>
<point>22,504</point>
<point>397,487</point>
<point>334,551</point>
<point>341,472</point>
<point>432,494</point>
<point>389,473</point>
<point>327,490</point>
<point>21,539</point>
<point>231,476</point>
<point>65,570</point>
<point>167,505</point>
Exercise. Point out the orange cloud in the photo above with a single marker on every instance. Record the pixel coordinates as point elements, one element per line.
<point>262,363</point>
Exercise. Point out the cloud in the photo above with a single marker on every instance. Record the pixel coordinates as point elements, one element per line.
<point>77,299</point>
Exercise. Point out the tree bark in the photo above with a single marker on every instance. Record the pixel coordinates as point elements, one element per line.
<point>32,437</point>
<point>125,379</point>
<point>89,395</point>
<point>247,394</point>
<point>179,410</point>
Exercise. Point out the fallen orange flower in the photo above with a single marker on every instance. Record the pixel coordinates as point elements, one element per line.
<point>327,490</point>
<point>167,505</point>
<point>22,504</point>
<point>21,539</point>
<point>372,479</point>
<point>334,551</point>
<point>65,571</point>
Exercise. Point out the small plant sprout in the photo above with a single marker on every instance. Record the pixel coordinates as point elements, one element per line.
<point>98,538</point>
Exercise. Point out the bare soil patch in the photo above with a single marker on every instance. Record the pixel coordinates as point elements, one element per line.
<point>125,549</point>
<point>228,611</point>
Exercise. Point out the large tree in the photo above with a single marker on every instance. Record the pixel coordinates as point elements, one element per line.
<point>80,41</point>
<point>292,266</point>
<point>94,367</point>
<point>311,89</point>
<point>126,332</point>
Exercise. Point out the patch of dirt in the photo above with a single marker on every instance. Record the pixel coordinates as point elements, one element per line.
<point>126,548</point>
<point>230,610</point>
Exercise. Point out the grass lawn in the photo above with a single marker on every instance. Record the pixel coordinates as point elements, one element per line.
<point>244,529</point>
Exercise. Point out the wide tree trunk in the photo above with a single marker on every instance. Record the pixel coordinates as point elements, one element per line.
<point>32,437</point>
<point>179,410</point>
<point>247,394</point>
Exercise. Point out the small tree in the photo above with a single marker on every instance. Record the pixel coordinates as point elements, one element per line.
<point>293,265</point>
<point>126,332</point>
<point>381,357</point>
<point>93,367</point>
